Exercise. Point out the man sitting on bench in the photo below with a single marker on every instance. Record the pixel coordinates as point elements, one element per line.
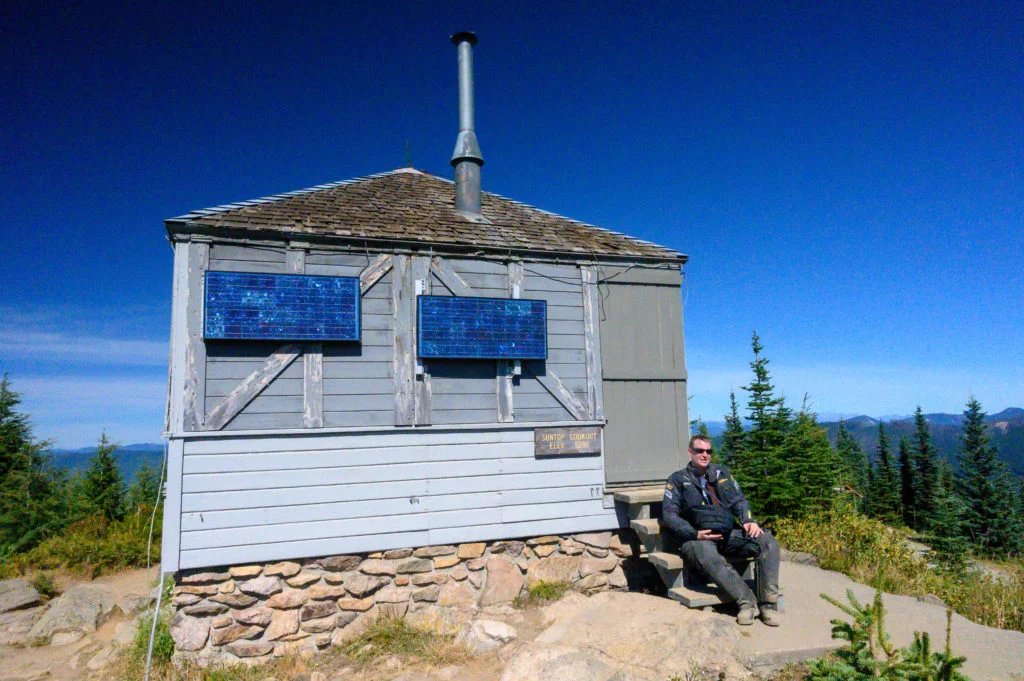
<point>705,508</point>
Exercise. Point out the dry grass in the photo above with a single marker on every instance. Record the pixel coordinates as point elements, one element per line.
<point>877,555</point>
<point>388,637</point>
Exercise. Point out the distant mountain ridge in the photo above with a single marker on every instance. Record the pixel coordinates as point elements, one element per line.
<point>130,458</point>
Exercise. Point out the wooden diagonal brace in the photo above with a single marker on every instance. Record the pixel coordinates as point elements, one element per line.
<point>554,385</point>
<point>374,272</point>
<point>253,384</point>
<point>452,281</point>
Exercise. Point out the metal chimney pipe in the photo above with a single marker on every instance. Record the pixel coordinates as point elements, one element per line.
<point>466,158</point>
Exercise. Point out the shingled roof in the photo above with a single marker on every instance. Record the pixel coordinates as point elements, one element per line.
<point>409,206</point>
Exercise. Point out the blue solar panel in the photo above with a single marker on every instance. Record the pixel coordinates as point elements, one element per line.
<point>481,328</point>
<point>281,307</point>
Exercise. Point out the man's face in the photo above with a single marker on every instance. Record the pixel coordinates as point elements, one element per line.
<point>700,453</point>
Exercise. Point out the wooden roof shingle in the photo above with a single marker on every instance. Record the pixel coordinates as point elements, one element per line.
<point>410,206</point>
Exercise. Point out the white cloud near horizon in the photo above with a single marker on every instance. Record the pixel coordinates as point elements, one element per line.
<point>63,347</point>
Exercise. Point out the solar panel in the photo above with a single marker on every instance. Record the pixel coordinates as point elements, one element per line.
<point>481,328</point>
<point>246,305</point>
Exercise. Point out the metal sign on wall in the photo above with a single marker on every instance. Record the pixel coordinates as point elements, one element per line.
<point>567,441</point>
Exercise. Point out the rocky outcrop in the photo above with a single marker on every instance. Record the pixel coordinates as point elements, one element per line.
<point>81,610</point>
<point>17,594</point>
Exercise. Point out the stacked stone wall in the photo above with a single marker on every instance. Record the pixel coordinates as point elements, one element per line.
<point>255,611</point>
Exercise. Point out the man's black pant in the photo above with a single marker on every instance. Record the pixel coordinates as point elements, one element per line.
<point>712,558</point>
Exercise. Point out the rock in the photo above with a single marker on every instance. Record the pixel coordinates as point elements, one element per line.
<point>618,548</point>
<point>335,578</point>
<point>800,557</point>
<point>474,550</point>
<point>433,551</point>
<point>132,604</point>
<point>484,635</point>
<point>204,577</point>
<point>554,569</point>
<point>189,633</point>
<point>234,600</point>
<point>182,600</point>
<point>396,554</point>
<point>233,632</point>
<point>284,569</point>
<point>413,565</point>
<point>512,548</point>
<point>197,589</point>
<point>599,540</point>
<point>227,587</point>
<point>221,621</point>
<point>377,567</point>
<point>932,599</point>
<point>428,595</point>
<point>393,610</point>
<point>286,600</point>
<point>357,604</point>
<point>361,585</point>
<point>600,553</point>
<point>475,564</point>
<point>343,619</point>
<point>550,539</point>
<point>17,594</point>
<point>402,581</point>
<point>459,573</point>
<point>429,578</point>
<point>589,566</point>
<point>245,571</point>
<point>205,609</point>
<point>81,610</point>
<point>259,616</point>
<point>544,550</point>
<point>324,591</point>
<point>476,579</point>
<point>339,563</point>
<point>321,642</point>
<point>391,595</point>
<point>101,659</point>
<point>303,579</point>
<point>592,582</point>
<point>319,626</point>
<point>249,648</point>
<point>570,547</point>
<point>504,582</point>
<point>456,594</point>
<point>537,662</point>
<point>445,562</point>
<point>617,578</point>
<point>15,625</point>
<point>317,609</point>
<point>284,622</point>
<point>261,586</point>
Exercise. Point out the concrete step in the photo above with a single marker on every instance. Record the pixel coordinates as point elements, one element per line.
<point>649,532</point>
<point>699,596</point>
<point>638,500</point>
<point>668,561</point>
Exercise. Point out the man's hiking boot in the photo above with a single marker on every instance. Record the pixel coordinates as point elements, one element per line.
<point>770,615</point>
<point>748,614</point>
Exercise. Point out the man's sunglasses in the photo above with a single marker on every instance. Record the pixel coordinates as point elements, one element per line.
<point>698,450</point>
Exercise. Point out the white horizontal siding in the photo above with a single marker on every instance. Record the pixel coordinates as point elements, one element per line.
<point>261,499</point>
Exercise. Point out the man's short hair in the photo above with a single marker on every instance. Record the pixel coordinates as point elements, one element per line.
<point>698,436</point>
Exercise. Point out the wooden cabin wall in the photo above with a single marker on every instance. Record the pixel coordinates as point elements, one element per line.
<point>267,498</point>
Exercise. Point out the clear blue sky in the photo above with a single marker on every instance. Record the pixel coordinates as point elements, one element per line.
<point>848,180</point>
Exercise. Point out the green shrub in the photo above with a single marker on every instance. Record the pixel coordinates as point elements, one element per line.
<point>540,593</point>
<point>163,644</point>
<point>44,584</point>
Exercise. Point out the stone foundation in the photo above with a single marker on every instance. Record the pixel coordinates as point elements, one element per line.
<point>256,611</point>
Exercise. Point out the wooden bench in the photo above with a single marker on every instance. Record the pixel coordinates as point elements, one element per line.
<point>688,586</point>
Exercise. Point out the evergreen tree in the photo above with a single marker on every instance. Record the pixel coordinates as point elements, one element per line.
<point>103,485</point>
<point>986,488</point>
<point>734,439</point>
<point>30,508</point>
<point>945,528</point>
<point>144,491</point>
<point>757,463</point>
<point>908,484</point>
<point>807,471</point>
<point>853,461</point>
<point>926,470</point>
<point>885,487</point>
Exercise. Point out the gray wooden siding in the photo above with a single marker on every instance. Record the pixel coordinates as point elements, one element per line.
<point>257,499</point>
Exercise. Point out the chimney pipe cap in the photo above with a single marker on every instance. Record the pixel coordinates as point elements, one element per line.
<point>467,36</point>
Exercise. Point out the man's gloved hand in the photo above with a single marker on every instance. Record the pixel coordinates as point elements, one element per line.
<point>752,529</point>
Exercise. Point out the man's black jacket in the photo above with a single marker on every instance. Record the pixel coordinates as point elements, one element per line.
<point>683,494</point>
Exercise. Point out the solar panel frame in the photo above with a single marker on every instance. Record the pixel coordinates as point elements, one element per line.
<point>426,349</point>
<point>254,306</point>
